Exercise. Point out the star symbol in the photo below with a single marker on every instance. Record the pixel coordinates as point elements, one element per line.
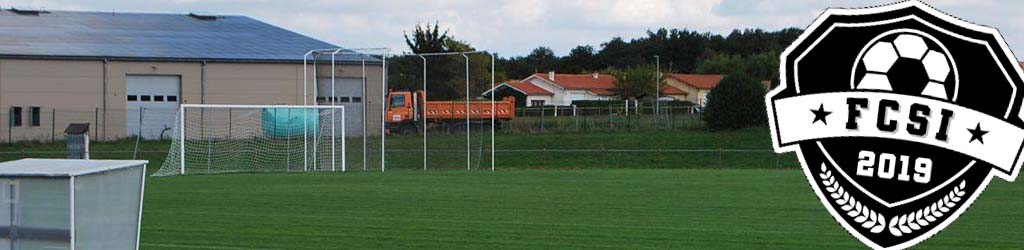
<point>977,133</point>
<point>820,114</point>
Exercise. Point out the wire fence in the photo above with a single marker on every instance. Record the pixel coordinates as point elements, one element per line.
<point>563,137</point>
<point>41,124</point>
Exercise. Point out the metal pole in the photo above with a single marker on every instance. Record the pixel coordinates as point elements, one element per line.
<point>53,125</point>
<point>424,113</point>
<point>334,96</point>
<point>362,98</point>
<point>305,115</point>
<point>657,86</point>
<point>494,111</point>
<point>383,101</point>
<point>343,154</point>
<point>316,95</point>
<point>467,112</point>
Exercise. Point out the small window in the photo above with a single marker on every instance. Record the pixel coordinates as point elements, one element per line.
<point>158,98</point>
<point>172,98</point>
<point>344,99</point>
<point>537,103</point>
<point>321,99</point>
<point>15,116</point>
<point>357,99</point>
<point>132,98</point>
<point>145,98</point>
<point>34,116</point>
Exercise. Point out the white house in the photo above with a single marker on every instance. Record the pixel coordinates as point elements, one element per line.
<point>553,89</point>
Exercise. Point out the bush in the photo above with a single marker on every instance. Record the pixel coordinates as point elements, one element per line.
<point>737,102</point>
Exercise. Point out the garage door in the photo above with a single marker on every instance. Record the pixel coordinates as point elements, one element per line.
<point>152,102</point>
<point>347,92</point>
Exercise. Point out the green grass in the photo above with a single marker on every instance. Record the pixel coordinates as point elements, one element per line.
<point>543,197</point>
<point>527,209</point>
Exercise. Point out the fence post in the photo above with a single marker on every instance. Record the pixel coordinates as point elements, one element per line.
<point>719,157</point>
<point>541,119</point>
<point>96,120</point>
<point>53,125</point>
<point>10,121</point>
<point>575,119</point>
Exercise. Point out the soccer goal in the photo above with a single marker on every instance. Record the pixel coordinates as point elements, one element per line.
<point>256,138</point>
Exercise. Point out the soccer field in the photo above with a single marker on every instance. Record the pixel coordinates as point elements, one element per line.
<point>527,209</point>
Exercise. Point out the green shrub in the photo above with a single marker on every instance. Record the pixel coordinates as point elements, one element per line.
<point>737,102</point>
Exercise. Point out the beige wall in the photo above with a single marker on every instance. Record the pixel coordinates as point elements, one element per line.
<point>696,95</point>
<point>75,90</point>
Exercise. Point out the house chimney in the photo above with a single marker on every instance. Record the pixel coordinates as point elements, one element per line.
<point>596,75</point>
<point>551,75</point>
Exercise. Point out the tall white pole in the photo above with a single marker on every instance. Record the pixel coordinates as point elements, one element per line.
<point>316,95</point>
<point>424,113</point>
<point>384,99</point>
<point>494,111</point>
<point>657,87</point>
<point>343,152</point>
<point>305,114</point>
<point>334,134</point>
<point>467,113</point>
<point>363,99</point>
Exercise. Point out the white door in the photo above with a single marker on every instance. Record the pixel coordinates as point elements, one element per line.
<point>348,92</point>
<point>152,102</point>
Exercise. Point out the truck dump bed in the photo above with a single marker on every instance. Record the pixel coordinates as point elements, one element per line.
<point>478,110</point>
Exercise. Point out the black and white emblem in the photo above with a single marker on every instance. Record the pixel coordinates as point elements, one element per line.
<point>900,115</point>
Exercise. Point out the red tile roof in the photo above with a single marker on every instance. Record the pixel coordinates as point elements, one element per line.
<point>528,88</point>
<point>699,81</point>
<point>601,85</point>
<point>672,90</point>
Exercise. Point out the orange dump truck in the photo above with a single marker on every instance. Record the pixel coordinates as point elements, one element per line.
<point>406,113</point>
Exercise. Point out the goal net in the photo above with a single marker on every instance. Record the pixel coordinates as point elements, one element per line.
<point>256,138</point>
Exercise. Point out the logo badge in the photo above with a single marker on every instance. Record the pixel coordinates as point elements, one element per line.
<point>900,116</point>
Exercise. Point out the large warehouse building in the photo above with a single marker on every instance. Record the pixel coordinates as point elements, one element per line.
<point>108,69</point>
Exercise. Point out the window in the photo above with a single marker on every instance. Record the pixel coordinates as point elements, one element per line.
<point>172,98</point>
<point>398,101</point>
<point>132,98</point>
<point>145,98</point>
<point>357,99</point>
<point>15,116</point>
<point>158,98</point>
<point>536,103</point>
<point>344,99</point>
<point>34,116</point>
<point>321,99</point>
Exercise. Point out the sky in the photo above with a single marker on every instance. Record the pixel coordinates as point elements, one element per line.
<point>516,27</point>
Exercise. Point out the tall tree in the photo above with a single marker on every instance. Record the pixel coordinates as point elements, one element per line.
<point>637,81</point>
<point>580,60</point>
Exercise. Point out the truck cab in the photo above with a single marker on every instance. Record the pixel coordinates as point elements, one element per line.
<point>403,111</point>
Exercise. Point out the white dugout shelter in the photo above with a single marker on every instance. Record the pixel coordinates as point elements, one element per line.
<point>71,204</point>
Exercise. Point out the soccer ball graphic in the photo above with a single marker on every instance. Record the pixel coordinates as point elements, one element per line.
<point>907,63</point>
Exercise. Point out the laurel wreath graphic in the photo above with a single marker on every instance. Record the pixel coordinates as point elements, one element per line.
<point>876,222</point>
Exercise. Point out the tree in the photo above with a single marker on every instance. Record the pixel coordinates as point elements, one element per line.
<point>580,60</point>
<point>736,102</point>
<point>446,75</point>
<point>426,39</point>
<point>637,81</point>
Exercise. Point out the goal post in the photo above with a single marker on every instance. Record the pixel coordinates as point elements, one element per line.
<point>215,138</point>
